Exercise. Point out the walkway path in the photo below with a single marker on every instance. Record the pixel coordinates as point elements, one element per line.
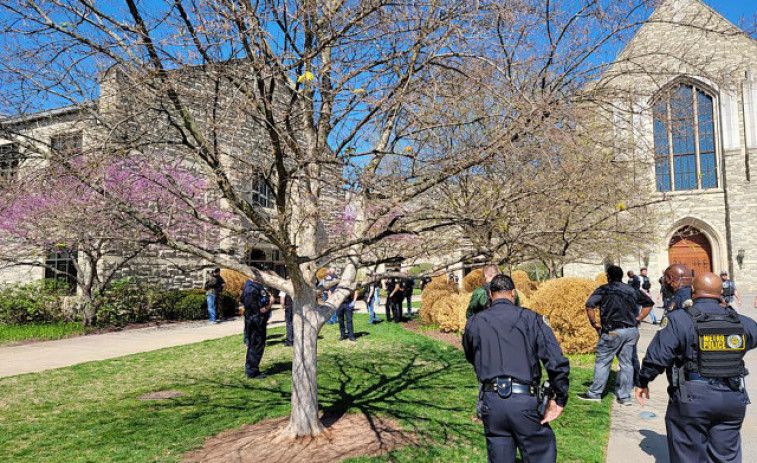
<point>637,436</point>
<point>40,356</point>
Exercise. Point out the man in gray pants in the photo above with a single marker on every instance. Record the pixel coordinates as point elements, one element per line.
<point>618,334</point>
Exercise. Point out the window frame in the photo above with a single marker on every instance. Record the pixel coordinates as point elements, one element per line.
<point>666,96</point>
<point>9,168</point>
<point>65,136</point>
<point>57,257</point>
<point>261,194</point>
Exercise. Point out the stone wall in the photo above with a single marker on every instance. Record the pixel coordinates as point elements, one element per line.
<point>129,114</point>
<point>687,39</point>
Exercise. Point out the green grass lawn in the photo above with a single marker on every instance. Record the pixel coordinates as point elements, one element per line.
<point>90,412</point>
<point>12,334</point>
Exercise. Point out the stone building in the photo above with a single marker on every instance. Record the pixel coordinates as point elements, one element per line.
<point>131,115</point>
<point>687,101</point>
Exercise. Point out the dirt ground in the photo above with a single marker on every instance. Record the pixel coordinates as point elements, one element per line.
<point>347,436</point>
<point>453,339</point>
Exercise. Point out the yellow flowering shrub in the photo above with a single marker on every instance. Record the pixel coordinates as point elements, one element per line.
<point>600,279</point>
<point>449,312</point>
<point>429,298</point>
<point>520,278</point>
<point>443,283</point>
<point>234,281</point>
<point>523,283</point>
<point>473,280</point>
<point>437,289</point>
<point>563,301</point>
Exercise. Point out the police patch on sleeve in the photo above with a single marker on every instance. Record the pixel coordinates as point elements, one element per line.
<point>664,322</point>
<point>688,303</point>
<point>545,320</point>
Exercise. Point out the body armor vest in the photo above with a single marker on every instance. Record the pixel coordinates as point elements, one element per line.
<point>721,344</point>
<point>728,289</point>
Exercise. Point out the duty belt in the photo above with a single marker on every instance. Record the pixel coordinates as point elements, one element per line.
<point>518,388</point>
<point>696,377</point>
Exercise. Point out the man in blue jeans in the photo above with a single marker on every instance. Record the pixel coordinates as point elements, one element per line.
<point>213,288</point>
<point>618,334</point>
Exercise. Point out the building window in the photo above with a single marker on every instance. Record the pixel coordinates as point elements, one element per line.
<point>60,268</point>
<point>684,139</point>
<point>9,161</point>
<point>262,193</point>
<point>66,143</point>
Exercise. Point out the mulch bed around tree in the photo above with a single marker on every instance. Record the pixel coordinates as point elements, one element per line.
<point>453,339</point>
<point>348,436</point>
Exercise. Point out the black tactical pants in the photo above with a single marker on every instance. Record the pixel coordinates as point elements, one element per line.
<point>346,327</point>
<point>397,308</point>
<point>513,423</point>
<point>255,333</point>
<point>708,428</point>
<point>289,320</point>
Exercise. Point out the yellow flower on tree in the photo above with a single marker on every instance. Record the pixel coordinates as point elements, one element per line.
<point>306,76</point>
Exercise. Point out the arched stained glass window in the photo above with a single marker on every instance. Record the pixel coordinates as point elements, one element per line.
<point>684,133</point>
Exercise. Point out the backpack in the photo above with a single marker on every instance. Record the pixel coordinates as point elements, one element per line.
<point>254,296</point>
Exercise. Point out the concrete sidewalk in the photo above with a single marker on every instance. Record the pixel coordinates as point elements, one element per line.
<point>638,434</point>
<point>40,356</point>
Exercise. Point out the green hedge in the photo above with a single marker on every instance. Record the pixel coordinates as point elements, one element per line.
<point>39,302</point>
<point>130,301</point>
<point>127,301</point>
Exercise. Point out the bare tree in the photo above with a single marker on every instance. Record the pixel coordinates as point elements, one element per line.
<point>326,129</point>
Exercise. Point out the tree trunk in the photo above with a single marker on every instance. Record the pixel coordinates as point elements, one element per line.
<point>88,309</point>
<point>304,420</point>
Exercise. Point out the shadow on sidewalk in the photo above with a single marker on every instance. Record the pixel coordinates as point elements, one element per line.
<point>655,445</point>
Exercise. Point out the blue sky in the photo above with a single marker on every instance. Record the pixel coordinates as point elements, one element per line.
<point>740,12</point>
<point>735,10</point>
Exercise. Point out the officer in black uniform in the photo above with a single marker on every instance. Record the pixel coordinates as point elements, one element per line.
<point>506,344</point>
<point>701,348</point>
<point>257,305</point>
<point>677,278</point>
<point>395,295</point>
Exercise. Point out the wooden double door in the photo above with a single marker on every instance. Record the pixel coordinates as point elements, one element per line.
<point>691,247</point>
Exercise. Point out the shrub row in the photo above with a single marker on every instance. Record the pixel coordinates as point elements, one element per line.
<point>126,301</point>
<point>39,302</point>
<point>562,301</point>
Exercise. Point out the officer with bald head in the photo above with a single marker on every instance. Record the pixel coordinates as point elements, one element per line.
<point>677,279</point>
<point>701,348</point>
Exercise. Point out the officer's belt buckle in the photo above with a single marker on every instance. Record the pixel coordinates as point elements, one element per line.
<point>496,385</point>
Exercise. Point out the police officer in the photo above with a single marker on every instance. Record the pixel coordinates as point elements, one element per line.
<point>395,291</point>
<point>408,285</point>
<point>702,349</point>
<point>729,289</point>
<point>257,303</point>
<point>677,278</point>
<point>288,303</point>
<point>506,344</point>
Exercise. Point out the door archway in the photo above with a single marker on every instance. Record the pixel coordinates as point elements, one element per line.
<point>691,247</point>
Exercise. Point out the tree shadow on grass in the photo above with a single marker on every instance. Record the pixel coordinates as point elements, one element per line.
<point>431,393</point>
